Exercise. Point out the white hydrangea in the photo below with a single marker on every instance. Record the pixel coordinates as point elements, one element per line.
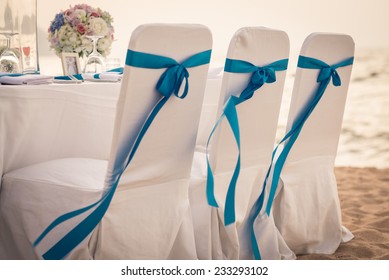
<point>103,44</point>
<point>81,14</point>
<point>87,45</point>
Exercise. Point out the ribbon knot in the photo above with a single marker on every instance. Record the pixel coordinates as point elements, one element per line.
<point>171,80</point>
<point>328,73</point>
<point>259,77</point>
<point>263,75</point>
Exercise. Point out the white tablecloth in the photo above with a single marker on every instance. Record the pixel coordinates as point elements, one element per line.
<point>44,122</point>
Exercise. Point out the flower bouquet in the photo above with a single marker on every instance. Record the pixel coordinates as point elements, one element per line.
<point>68,30</point>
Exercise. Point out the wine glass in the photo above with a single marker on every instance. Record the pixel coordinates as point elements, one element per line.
<point>95,61</point>
<point>9,61</point>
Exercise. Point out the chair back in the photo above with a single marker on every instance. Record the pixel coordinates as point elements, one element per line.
<point>321,131</point>
<point>257,116</point>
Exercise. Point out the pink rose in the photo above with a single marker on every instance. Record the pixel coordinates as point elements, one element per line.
<point>81,28</point>
<point>95,14</point>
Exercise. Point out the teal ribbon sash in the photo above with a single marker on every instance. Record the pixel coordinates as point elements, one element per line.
<point>326,74</point>
<point>169,84</point>
<point>260,75</point>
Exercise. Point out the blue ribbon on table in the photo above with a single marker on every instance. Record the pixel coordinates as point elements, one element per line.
<point>79,77</point>
<point>169,83</point>
<point>326,74</point>
<point>69,78</point>
<point>11,74</point>
<point>260,75</point>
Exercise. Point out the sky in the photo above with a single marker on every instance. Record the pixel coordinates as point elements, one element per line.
<point>365,20</point>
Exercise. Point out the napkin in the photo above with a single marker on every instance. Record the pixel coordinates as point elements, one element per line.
<point>114,75</point>
<point>76,79</point>
<point>28,79</point>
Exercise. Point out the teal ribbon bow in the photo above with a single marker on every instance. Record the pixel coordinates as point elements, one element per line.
<point>260,75</point>
<point>168,84</point>
<point>326,74</point>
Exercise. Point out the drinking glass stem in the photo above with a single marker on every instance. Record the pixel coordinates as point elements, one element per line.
<point>8,42</point>
<point>94,45</point>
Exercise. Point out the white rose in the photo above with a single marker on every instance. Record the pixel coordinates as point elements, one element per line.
<point>98,27</point>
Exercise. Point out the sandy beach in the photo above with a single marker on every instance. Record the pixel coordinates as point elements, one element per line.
<point>364,198</point>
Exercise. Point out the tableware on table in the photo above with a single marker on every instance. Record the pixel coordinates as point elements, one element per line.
<point>95,62</point>
<point>9,60</point>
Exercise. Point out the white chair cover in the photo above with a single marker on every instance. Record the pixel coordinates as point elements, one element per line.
<point>306,209</point>
<point>258,122</point>
<point>149,216</point>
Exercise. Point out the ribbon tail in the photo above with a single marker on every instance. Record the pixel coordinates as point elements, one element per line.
<point>62,219</point>
<point>292,135</point>
<point>232,117</point>
<point>210,189</point>
<point>229,213</point>
<point>63,247</point>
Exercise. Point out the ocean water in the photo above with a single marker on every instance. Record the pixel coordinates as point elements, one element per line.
<point>364,140</point>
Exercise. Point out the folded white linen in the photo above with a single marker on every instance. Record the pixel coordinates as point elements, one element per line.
<point>32,79</point>
<point>103,77</point>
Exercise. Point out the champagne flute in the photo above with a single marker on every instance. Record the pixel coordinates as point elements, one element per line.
<point>95,61</point>
<point>9,61</point>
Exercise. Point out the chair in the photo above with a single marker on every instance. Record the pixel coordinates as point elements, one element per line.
<point>306,207</point>
<point>144,182</point>
<point>257,117</point>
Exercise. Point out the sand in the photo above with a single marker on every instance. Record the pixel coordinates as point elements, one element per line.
<point>364,198</point>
